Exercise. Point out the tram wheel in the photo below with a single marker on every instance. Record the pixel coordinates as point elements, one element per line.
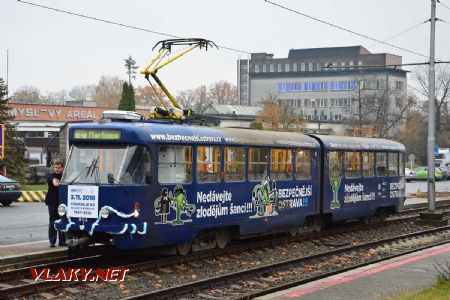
<point>222,238</point>
<point>184,248</point>
<point>293,231</point>
<point>74,251</point>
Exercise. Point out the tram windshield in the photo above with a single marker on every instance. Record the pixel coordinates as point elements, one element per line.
<point>106,164</point>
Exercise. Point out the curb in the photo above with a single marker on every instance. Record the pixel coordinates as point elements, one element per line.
<point>32,196</point>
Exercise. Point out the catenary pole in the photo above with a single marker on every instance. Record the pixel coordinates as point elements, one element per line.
<point>431,113</point>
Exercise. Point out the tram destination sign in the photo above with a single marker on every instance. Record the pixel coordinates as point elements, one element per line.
<point>95,134</point>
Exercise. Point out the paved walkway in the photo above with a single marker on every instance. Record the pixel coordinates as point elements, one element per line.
<point>406,274</point>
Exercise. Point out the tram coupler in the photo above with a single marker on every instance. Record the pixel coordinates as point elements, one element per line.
<point>78,241</point>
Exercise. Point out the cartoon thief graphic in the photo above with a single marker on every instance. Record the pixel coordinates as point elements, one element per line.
<point>162,207</point>
<point>177,201</point>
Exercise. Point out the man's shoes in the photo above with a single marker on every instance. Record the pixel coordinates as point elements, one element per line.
<point>52,245</point>
<point>63,244</point>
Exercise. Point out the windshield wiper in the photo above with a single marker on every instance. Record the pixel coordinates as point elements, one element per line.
<point>93,166</point>
<point>88,168</point>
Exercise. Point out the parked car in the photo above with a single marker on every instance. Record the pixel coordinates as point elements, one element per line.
<point>422,173</point>
<point>410,174</point>
<point>9,190</point>
<point>445,172</point>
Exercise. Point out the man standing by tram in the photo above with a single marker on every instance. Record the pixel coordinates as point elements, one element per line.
<point>52,202</point>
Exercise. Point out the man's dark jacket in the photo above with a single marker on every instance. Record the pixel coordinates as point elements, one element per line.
<point>52,197</point>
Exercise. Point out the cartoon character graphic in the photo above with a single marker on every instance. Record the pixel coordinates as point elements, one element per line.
<point>335,182</point>
<point>264,198</point>
<point>162,205</point>
<point>176,201</point>
<point>181,205</point>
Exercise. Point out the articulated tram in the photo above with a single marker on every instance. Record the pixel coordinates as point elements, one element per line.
<point>143,183</point>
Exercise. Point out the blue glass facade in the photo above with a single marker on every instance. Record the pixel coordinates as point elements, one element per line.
<point>318,86</point>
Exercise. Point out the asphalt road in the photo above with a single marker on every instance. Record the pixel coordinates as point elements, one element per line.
<point>28,222</point>
<point>421,186</point>
<point>23,222</point>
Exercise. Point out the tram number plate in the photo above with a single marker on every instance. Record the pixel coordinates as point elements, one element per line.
<point>82,201</point>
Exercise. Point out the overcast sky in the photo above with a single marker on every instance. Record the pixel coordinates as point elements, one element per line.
<point>52,51</point>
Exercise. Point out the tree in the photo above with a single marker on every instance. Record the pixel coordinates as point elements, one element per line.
<point>222,92</point>
<point>196,99</point>
<point>256,125</point>
<point>146,96</point>
<point>288,118</point>
<point>130,64</point>
<point>14,146</point>
<point>56,98</point>
<point>270,114</point>
<point>27,94</point>
<point>377,108</point>
<point>442,92</point>
<point>82,92</point>
<point>127,101</point>
<point>108,92</point>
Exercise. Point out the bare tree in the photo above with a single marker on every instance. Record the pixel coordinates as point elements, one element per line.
<point>108,92</point>
<point>27,94</point>
<point>187,98</point>
<point>288,119</point>
<point>196,99</point>
<point>223,92</point>
<point>146,96</point>
<point>82,92</point>
<point>442,89</point>
<point>56,98</point>
<point>377,108</point>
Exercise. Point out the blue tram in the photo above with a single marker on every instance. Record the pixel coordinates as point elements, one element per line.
<point>361,177</point>
<point>148,183</point>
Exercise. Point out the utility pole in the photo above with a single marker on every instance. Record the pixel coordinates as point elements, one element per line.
<point>431,114</point>
<point>431,217</point>
<point>7,73</point>
<point>360,83</point>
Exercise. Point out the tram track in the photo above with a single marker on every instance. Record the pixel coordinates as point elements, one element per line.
<point>270,278</point>
<point>162,273</point>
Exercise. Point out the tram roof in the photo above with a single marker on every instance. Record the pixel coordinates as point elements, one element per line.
<point>332,142</point>
<point>144,132</point>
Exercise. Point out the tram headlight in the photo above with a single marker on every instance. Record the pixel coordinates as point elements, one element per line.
<point>104,212</point>
<point>61,210</point>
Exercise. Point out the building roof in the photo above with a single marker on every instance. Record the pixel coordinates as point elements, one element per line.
<point>227,109</point>
<point>328,52</point>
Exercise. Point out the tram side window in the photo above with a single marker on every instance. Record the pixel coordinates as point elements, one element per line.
<point>208,164</point>
<point>381,164</point>
<point>281,164</point>
<point>303,164</point>
<point>353,164</point>
<point>335,159</point>
<point>393,164</point>
<point>234,163</point>
<point>401,166</point>
<point>257,163</point>
<point>175,164</point>
<point>368,164</point>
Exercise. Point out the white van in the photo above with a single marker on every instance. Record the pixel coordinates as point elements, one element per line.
<point>443,158</point>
